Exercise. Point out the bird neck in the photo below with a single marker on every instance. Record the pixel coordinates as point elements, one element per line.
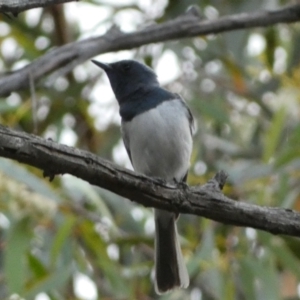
<point>143,99</point>
<point>136,94</point>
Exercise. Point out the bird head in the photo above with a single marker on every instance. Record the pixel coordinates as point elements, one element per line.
<point>128,76</point>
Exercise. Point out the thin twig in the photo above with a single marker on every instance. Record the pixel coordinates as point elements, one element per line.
<point>16,6</point>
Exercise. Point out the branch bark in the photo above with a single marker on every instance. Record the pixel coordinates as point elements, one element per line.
<point>206,201</point>
<point>63,59</point>
<point>16,6</point>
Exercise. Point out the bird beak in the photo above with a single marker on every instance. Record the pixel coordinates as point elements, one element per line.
<point>103,66</point>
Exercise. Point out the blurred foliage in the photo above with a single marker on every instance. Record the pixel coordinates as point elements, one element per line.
<point>69,240</point>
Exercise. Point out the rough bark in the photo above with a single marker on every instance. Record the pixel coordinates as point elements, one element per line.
<point>16,6</point>
<point>206,201</point>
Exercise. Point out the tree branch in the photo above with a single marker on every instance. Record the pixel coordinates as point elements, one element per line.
<point>16,6</point>
<point>63,59</point>
<point>207,201</point>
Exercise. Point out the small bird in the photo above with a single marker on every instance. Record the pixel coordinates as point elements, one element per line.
<point>157,131</point>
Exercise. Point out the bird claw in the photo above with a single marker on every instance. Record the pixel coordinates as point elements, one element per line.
<point>49,174</point>
<point>181,184</point>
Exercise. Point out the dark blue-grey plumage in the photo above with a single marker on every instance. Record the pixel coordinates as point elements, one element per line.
<point>142,100</point>
<point>157,133</point>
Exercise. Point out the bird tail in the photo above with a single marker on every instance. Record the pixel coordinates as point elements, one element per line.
<point>170,269</point>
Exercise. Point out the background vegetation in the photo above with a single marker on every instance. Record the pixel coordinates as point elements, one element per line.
<point>69,240</point>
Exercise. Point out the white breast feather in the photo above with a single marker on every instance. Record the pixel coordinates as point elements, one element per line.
<point>160,141</point>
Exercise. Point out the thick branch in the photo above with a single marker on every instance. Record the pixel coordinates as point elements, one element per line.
<point>207,201</point>
<point>65,58</point>
<point>17,6</point>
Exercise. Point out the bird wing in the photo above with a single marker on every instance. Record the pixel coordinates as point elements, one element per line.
<point>189,114</point>
<point>125,138</point>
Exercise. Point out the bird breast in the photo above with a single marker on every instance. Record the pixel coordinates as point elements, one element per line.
<point>159,141</point>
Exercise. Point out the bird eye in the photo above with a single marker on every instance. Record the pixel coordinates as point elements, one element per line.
<point>126,67</point>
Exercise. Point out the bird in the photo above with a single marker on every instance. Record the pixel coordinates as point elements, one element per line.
<point>157,128</point>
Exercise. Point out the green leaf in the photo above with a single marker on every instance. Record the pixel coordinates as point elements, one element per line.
<point>271,44</point>
<point>36,266</point>
<point>267,278</point>
<point>262,272</point>
<point>15,268</point>
<point>61,236</point>
<point>97,249</point>
<point>272,135</point>
<point>289,155</point>
<point>291,152</point>
<point>78,187</point>
<point>4,107</point>
<point>52,281</point>
<point>280,250</point>
<point>20,174</point>
<point>247,278</point>
<point>215,109</point>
